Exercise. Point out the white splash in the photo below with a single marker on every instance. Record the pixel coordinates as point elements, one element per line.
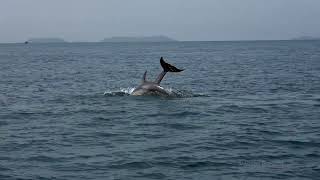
<point>172,92</point>
<point>127,90</point>
<point>124,91</point>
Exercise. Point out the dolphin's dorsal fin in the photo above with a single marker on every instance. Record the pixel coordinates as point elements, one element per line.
<point>166,68</point>
<point>144,76</point>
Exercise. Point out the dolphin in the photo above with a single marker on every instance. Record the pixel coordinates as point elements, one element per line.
<point>153,87</point>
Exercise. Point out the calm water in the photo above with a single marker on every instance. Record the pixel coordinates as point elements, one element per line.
<point>240,110</point>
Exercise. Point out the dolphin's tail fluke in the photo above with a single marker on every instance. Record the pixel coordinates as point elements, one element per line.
<point>168,67</point>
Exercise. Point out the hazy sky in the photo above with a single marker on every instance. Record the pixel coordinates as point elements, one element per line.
<point>93,20</point>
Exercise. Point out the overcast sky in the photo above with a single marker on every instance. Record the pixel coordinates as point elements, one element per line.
<point>93,20</point>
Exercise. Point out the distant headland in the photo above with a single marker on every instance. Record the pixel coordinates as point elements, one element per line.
<point>45,40</point>
<point>112,39</point>
<point>139,39</point>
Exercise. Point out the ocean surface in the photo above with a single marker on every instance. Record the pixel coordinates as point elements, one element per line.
<point>240,110</point>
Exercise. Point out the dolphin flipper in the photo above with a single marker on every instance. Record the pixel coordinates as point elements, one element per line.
<point>166,68</point>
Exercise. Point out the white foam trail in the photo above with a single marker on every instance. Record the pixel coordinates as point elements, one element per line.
<point>127,90</point>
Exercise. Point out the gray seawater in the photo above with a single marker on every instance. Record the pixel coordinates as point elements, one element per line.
<point>240,110</point>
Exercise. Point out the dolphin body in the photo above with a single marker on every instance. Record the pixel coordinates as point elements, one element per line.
<point>154,88</point>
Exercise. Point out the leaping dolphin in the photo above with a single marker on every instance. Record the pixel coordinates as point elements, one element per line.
<point>154,88</point>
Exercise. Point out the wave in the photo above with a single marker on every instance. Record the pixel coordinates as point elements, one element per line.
<point>173,93</point>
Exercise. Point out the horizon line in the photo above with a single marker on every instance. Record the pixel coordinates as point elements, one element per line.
<point>250,40</point>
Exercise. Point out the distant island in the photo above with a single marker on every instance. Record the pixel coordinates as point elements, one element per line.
<point>139,39</point>
<point>306,38</point>
<point>45,40</point>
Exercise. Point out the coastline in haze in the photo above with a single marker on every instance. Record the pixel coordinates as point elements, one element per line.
<point>147,39</point>
<point>139,39</point>
<point>112,39</point>
<point>46,40</point>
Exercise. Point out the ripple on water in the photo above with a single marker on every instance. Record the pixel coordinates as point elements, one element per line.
<point>154,175</point>
<point>44,158</point>
<point>239,109</point>
<point>172,125</point>
<point>3,123</point>
<point>131,165</point>
<point>297,144</point>
<point>205,164</point>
